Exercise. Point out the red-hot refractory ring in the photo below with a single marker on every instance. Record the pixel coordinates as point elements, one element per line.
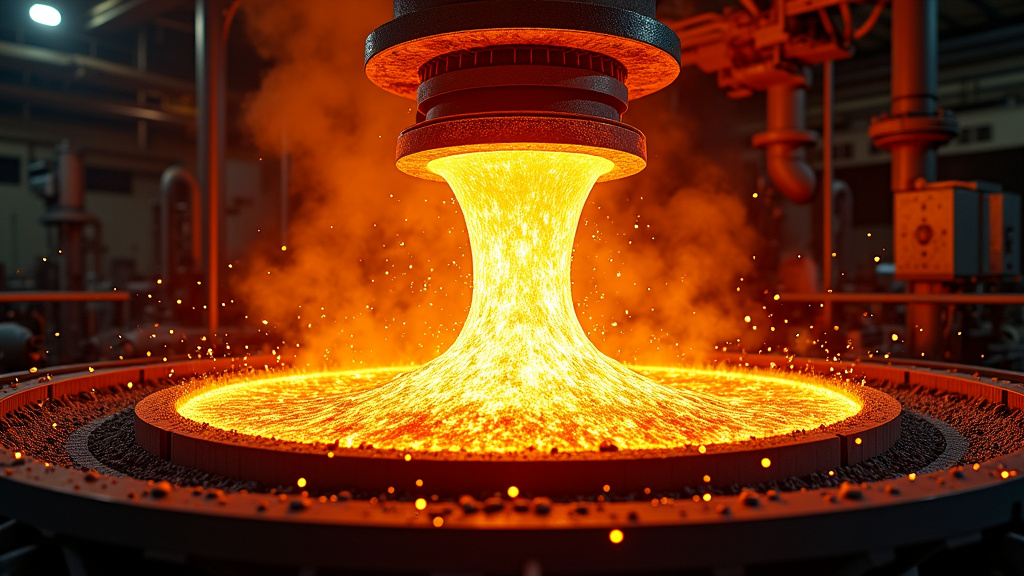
<point>433,139</point>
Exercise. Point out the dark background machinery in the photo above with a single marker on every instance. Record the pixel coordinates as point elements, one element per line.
<point>906,114</point>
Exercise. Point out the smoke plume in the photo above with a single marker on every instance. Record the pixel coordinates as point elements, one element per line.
<point>377,269</point>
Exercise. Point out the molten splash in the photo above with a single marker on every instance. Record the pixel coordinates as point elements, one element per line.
<point>522,373</point>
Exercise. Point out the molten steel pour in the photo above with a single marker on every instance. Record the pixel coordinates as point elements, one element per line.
<point>522,373</point>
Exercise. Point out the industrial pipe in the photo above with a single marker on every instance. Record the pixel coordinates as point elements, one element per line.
<point>828,176</point>
<point>914,126</point>
<point>786,140</point>
<point>58,296</point>
<point>915,52</point>
<point>65,211</point>
<point>912,130</point>
<point>171,178</point>
<point>211,132</point>
<point>987,299</point>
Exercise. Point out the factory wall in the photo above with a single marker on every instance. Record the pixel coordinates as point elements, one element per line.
<point>22,238</point>
<point>123,194</point>
<point>990,147</point>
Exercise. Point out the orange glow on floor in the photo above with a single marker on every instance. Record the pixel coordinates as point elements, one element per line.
<point>522,374</point>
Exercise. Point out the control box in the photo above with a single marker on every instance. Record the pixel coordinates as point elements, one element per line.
<point>937,233</point>
<point>949,230</point>
<point>1002,216</point>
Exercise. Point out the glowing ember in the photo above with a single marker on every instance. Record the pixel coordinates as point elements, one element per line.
<point>522,374</point>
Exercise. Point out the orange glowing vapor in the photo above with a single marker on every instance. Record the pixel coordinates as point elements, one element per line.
<point>522,374</point>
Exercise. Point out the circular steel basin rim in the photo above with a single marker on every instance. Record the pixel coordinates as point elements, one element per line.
<point>160,430</point>
<point>357,535</point>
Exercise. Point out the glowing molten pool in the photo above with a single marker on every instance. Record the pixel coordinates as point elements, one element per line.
<point>522,373</point>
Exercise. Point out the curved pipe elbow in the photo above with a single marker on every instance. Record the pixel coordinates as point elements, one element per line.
<point>785,142</point>
<point>789,172</point>
<point>172,177</point>
<point>175,174</point>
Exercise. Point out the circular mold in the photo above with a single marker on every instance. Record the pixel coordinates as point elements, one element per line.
<point>166,434</point>
<point>841,526</point>
<point>506,87</point>
<point>397,50</point>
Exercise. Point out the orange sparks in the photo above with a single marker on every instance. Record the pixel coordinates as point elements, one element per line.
<point>522,374</point>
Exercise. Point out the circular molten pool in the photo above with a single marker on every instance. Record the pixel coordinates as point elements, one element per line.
<point>522,374</point>
<point>921,511</point>
<point>521,383</point>
<point>377,408</point>
<point>275,428</point>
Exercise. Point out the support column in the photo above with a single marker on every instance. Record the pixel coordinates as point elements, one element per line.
<point>912,130</point>
<point>210,134</point>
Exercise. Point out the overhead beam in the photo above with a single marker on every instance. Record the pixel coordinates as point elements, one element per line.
<point>126,76</point>
<point>115,14</point>
<point>93,106</point>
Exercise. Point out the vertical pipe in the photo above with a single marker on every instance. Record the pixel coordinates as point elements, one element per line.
<point>210,85</point>
<point>70,204</point>
<point>914,85</point>
<point>171,178</point>
<point>195,206</point>
<point>914,88</point>
<point>785,141</point>
<point>915,56</point>
<point>165,230</point>
<point>786,138</point>
<point>285,181</point>
<point>827,176</point>
<point>786,104</point>
<point>68,215</point>
<point>142,63</point>
<point>15,249</point>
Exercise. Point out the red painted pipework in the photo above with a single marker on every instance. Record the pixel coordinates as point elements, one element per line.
<point>912,130</point>
<point>785,143</point>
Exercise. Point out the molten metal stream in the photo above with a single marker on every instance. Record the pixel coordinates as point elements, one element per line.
<point>522,373</point>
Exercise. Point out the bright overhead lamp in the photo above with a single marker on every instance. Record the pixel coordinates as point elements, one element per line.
<point>44,14</point>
